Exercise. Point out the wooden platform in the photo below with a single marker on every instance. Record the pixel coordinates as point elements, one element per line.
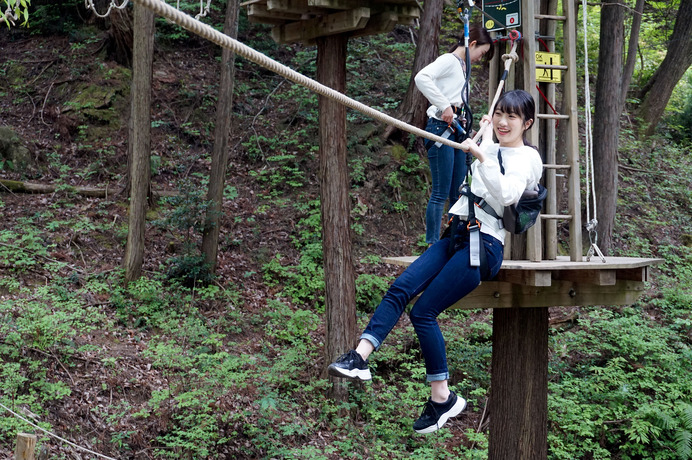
<point>561,282</point>
<point>306,20</point>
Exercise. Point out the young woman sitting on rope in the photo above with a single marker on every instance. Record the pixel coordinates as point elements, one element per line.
<point>446,272</point>
<point>444,84</point>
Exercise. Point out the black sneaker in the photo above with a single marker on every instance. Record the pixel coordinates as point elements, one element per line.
<point>436,414</point>
<point>351,365</point>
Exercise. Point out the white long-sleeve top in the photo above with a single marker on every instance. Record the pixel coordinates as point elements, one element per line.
<point>441,83</point>
<point>523,169</point>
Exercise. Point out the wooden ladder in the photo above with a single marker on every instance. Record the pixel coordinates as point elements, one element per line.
<point>546,23</point>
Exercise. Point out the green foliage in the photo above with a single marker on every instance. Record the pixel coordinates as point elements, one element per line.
<point>15,10</point>
<point>613,400</point>
<point>186,217</point>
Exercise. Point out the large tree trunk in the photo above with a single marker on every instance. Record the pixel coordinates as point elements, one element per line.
<point>219,159</point>
<point>340,289</point>
<point>606,121</point>
<point>658,89</point>
<point>413,106</point>
<point>140,140</point>
<point>519,384</point>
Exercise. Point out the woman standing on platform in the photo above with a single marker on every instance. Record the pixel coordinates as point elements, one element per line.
<point>444,85</point>
<point>446,272</point>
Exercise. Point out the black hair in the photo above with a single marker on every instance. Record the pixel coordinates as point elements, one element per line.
<point>520,103</point>
<point>481,37</point>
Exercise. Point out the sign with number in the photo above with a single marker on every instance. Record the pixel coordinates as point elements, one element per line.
<point>548,75</point>
<point>501,13</point>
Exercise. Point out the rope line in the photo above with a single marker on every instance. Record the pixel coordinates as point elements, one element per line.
<point>89,4</point>
<point>54,435</point>
<point>211,34</point>
<point>9,15</point>
<point>591,224</point>
<point>590,187</point>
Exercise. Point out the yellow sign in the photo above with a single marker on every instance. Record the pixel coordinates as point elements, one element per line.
<point>548,75</point>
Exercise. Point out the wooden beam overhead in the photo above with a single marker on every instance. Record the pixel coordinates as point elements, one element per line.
<point>299,7</point>
<point>380,23</point>
<point>338,4</point>
<point>332,24</point>
<point>260,13</point>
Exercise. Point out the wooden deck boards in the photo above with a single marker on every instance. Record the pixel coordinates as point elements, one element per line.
<point>561,282</point>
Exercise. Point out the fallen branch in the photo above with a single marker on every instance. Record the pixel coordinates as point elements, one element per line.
<point>16,186</point>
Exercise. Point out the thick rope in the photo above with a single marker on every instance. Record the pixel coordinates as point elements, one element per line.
<point>89,4</point>
<point>211,34</point>
<point>9,15</point>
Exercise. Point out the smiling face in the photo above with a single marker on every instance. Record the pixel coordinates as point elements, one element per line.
<point>509,128</point>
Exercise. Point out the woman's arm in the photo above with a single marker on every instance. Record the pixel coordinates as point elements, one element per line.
<point>431,80</point>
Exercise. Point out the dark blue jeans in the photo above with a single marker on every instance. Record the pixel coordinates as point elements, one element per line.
<point>443,280</point>
<point>448,170</point>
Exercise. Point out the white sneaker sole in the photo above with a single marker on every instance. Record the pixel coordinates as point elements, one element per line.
<point>351,374</point>
<point>456,409</point>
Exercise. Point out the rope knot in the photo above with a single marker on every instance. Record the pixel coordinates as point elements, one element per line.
<point>513,56</point>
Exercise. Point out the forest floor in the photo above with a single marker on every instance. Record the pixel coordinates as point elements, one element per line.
<point>81,146</point>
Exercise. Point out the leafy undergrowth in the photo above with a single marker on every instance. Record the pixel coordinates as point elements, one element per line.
<point>170,367</point>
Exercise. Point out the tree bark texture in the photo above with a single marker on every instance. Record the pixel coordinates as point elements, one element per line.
<point>219,159</point>
<point>632,47</point>
<point>657,91</point>
<point>140,140</point>
<point>606,120</point>
<point>414,105</point>
<point>519,385</point>
<point>340,291</point>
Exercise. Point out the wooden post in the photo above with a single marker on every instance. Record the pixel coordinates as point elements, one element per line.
<point>26,443</point>
<point>339,278</point>
<point>519,385</point>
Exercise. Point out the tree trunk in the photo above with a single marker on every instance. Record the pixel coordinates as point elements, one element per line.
<point>519,384</point>
<point>632,46</point>
<point>120,34</point>
<point>219,160</point>
<point>413,106</point>
<point>606,120</point>
<point>340,290</point>
<point>657,91</point>
<point>140,140</point>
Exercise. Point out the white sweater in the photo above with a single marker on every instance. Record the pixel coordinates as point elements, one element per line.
<point>441,83</point>
<point>523,169</point>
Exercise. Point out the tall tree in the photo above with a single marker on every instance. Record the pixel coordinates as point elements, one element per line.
<point>632,47</point>
<point>606,120</point>
<point>339,275</point>
<point>219,159</point>
<point>413,106</point>
<point>656,93</point>
<point>140,140</point>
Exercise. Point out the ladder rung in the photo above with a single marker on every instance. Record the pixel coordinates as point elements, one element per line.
<point>551,16</point>
<point>551,66</point>
<point>554,166</point>
<point>552,116</point>
<point>556,216</point>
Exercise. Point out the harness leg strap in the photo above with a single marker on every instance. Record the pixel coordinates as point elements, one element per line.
<point>474,245</point>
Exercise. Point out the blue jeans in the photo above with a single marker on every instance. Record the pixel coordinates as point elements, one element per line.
<point>448,171</point>
<point>443,280</point>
